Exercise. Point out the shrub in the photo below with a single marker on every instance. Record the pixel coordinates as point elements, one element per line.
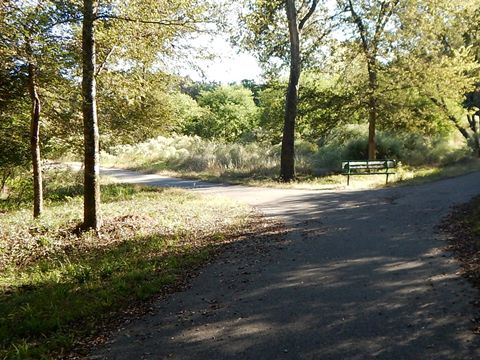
<point>193,154</point>
<point>411,149</point>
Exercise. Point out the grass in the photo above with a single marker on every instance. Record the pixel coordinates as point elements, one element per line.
<point>258,164</point>
<point>59,286</point>
<point>424,174</point>
<point>404,175</point>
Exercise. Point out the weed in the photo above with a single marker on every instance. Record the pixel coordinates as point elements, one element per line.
<point>317,166</point>
<point>58,286</point>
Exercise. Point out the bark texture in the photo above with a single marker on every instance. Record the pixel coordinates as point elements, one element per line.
<point>91,219</point>
<point>287,160</point>
<point>372,109</point>
<point>35,142</point>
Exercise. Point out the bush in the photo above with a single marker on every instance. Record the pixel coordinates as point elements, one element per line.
<point>191,153</point>
<point>411,149</point>
<point>59,184</point>
<point>387,148</point>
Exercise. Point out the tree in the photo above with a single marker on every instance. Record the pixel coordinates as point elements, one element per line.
<point>14,135</point>
<point>324,102</point>
<point>91,198</point>
<point>26,25</point>
<point>439,65</point>
<point>227,113</point>
<point>264,24</point>
<point>121,25</point>
<point>370,20</point>
<point>140,104</point>
<point>27,29</point>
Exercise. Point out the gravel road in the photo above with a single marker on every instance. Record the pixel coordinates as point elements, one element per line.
<point>361,275</point>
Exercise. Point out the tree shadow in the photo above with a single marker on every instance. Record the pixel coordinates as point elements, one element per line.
<point>356,275</point>
<point>78,294</point>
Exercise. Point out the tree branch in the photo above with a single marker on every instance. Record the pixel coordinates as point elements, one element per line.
<point>361,27</point>
<point>104,62</point>
<point>307,16</point>
<point>443,106</point>
<point>176,22</point>
<point>383,18</point>
<point>64,21</point>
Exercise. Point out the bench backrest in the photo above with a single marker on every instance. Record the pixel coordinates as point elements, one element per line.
<point>369,164</point>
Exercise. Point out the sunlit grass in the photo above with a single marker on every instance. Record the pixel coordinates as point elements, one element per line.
<point>404,175</point>
<point>255,165</point>
<point>58,285</point>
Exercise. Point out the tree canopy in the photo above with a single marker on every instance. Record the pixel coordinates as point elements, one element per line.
<point>396,67</point>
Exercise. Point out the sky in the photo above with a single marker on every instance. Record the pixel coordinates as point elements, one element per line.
<point>228,66</point>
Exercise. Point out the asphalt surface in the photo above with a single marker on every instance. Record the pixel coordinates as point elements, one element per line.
<point>361,275</point>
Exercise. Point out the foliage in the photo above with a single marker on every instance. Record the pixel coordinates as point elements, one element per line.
<point>14,141</point>
<point>264,31</point>
<point>31,55</point>
<point>186,154</point>
<point>134,106</point>
<point>409,148</point>
<point>325,103</point>
<point>228,112</point>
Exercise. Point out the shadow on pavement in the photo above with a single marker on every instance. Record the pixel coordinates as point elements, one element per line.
<point>361,275</point>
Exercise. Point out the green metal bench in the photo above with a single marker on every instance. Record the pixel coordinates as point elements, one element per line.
<point>368,167</point>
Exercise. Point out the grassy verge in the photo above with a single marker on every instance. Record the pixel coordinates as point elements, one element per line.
<point>58,286</point>
<point>425,174</point>
<point>405,175</point>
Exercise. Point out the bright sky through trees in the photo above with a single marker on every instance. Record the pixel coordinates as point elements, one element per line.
<point>228,65</point>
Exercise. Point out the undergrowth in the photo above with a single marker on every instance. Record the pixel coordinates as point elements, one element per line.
<point>317,165</point>
<point>59,285</point>
<point>191,154</point>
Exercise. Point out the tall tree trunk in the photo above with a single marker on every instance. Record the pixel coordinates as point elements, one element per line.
<point>91,196</point>
<point>35,142</point>
<point>287,160</point>
<point>372,109</point>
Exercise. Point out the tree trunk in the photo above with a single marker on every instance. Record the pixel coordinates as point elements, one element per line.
<point>91,196</point>
<point>372,109</point>
<point>287,160</point>
<point>35,142</point>
<point>475,139</point>
<point>476,135</point>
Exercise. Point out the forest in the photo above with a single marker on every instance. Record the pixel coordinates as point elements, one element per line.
<point>103,82</point>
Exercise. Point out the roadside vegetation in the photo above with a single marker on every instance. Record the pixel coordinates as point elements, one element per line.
<point>318,166</point>
<point>59,285</point>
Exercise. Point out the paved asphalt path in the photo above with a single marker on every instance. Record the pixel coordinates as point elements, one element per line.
<point>362,275</point>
